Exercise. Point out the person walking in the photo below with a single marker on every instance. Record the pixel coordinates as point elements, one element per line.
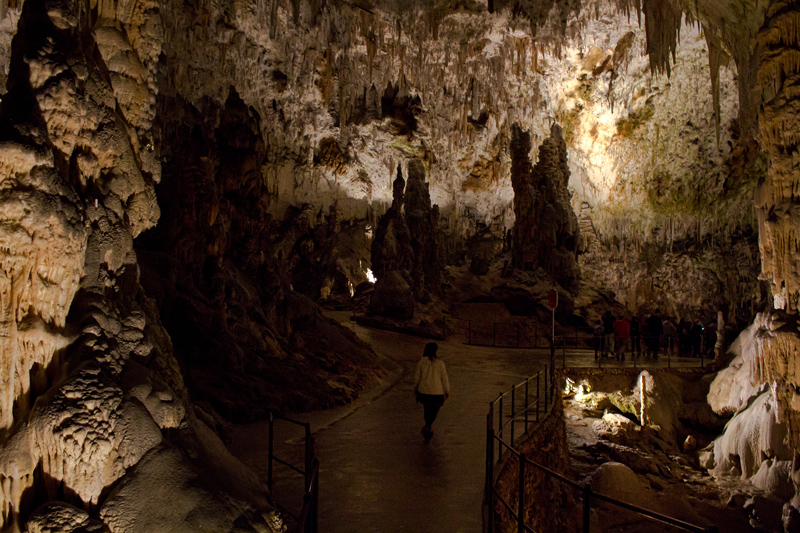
<point>636,345</point>
<point>622,330</point>
<point>431,386</point>
<point>598,338</point>
<point>670,332</point>
<point>655,328</point>
<point>608,333</point>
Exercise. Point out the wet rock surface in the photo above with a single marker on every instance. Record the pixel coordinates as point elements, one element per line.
<point>647,465</point>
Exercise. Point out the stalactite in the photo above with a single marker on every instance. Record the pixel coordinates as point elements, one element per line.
<point>296,12</point>
<point>662,27</point>
<point>626,7</point>
<point>714,53</point>
<point>273,19</point>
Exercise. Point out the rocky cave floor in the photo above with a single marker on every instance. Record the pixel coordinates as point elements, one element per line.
<point>656,476</point>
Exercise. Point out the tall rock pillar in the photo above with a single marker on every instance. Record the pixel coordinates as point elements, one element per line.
<point>546,229</point>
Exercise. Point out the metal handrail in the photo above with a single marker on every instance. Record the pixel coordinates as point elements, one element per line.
<point>560,343</point>
<point>308,520</point>
<point>586,489</point>
<point>530,403</point>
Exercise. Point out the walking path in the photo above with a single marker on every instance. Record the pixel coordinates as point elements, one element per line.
<point>376,472</point>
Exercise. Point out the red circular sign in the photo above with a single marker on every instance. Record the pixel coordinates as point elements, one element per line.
<point>552,298</point>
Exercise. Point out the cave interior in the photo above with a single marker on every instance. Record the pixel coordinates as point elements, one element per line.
<point>190,190</point>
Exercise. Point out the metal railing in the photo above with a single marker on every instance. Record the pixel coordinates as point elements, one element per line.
<point>517,333</point>
<point>662,348</point>
<point>545,394</point>
<point>308,520</point>
<point>520,407</point>
<point>491,494</point>
<point>521,332</point>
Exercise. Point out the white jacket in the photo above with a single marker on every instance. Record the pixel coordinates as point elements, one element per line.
<point>431,377</point>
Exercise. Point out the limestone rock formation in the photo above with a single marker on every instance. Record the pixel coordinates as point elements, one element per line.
<point>217,265</point>
<point>392,260</point>
<point>422,220</point>
<point>758,388</point>
<point>545,227</point>
<point>778,75</point>
<point>90,388</point>
<point>405,252</point>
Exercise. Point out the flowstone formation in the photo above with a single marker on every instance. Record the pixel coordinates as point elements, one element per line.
<point>758,389</point>
<point>545,228</point>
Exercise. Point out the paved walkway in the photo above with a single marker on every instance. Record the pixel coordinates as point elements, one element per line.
<point>376,473</point>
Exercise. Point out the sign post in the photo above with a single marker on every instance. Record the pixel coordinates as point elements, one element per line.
<point>552,302</point>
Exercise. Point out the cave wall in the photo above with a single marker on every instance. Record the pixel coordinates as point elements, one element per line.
<point>97,425</point>
<point>760,385</point>
<point>778,76</point>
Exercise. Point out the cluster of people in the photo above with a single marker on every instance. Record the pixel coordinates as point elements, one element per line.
<point>615,336</point>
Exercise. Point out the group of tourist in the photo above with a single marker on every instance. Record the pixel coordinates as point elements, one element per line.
<point>615,336</point>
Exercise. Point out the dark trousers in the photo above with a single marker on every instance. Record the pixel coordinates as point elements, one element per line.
<point>431,404</point>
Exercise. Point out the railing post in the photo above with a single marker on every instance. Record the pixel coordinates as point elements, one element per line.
<point>489,490</point>
<point>527,381</point>
<point>513,411</point>
<point>546,390</point>
<point>309,454</point>
<point>521,501</point>
<point>271,450</point>
<point>500,416</point>
<point>315,499</point>
<point>587,507</point>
